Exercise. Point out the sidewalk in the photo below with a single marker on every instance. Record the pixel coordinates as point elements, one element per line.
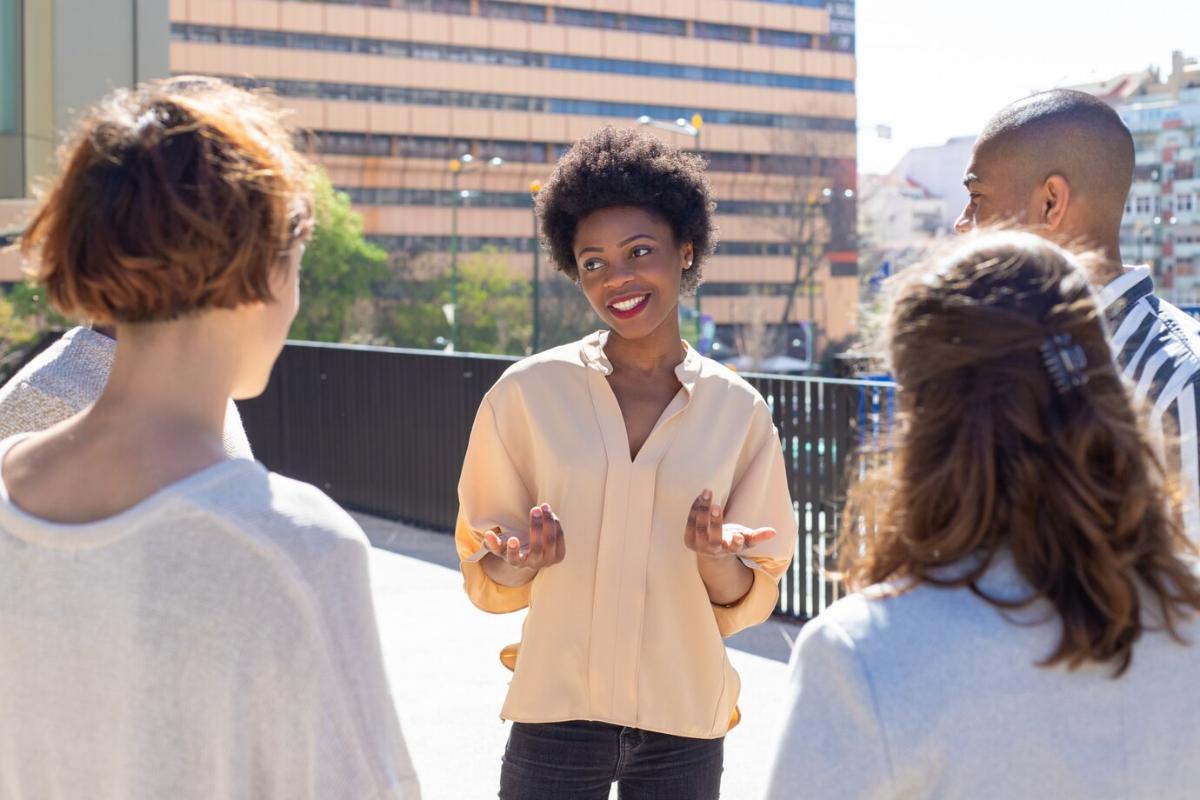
<point>442,655</point>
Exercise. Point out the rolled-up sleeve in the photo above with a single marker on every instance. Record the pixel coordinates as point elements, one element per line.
<point>492,496</point>
<point>760,499</point>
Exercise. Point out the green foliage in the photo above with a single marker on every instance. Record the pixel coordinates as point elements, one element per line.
<point>493,306</point>
<point>15,328</point>
<point>29,302</point>
<point>566,315</point>
<point>339,270</point>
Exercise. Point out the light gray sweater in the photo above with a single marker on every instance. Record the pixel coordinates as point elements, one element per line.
<point>934,694</point>
<point>67,378</point>
<point>216,641</point>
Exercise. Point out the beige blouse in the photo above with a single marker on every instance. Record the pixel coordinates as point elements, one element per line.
<point>622,631</point>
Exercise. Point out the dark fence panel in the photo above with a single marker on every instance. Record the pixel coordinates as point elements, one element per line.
<point>384,431</point>
<point>380,430</point>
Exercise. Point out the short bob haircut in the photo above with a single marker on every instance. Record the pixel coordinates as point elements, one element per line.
<point>624,167</point>
<point>173,197</point>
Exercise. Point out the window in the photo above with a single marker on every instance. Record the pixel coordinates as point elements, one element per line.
<point>521,11</point>
<point>11,78</point>
<point>784,38</point>
<point>586,19</point>
<point>724,33</point>
<point>1185,203</point>
<point>1143,205</point>
<point>203,33</point>
<point>659,25</point>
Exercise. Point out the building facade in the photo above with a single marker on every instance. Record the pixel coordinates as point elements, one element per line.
<point>56,58</point>
<point>394,90</point>
<point>1161,226</point>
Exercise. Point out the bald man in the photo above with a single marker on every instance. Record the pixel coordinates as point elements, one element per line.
<point>1061,164</point>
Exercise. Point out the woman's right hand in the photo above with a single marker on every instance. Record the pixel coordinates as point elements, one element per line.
<point>542,546</point>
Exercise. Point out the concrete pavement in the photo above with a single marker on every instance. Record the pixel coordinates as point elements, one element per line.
<point>442,656</point>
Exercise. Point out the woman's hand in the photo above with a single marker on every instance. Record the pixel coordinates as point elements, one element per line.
<point>706,535</point>
<point>543,546</point>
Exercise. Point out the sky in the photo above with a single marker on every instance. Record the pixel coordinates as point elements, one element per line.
<point>934,69</point>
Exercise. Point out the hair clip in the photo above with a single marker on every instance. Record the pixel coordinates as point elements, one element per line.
<point>1065,361</point>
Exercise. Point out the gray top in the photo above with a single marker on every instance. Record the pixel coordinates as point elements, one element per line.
<point>217,640</point>
<point>935,694</point>
<point>67,378</point>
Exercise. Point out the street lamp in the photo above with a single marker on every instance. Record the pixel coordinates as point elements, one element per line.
<point>534,188</point>
<point>813,202</point>
<point>687,128</point>
<point>681,125</point>
<point>458,166</point>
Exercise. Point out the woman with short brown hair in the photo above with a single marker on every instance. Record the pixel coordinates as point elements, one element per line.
<point>174,622</point>
<point>1027,606</point>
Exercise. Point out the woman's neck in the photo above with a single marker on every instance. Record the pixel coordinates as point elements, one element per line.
<point>659,352</point>
<point>159,420</point>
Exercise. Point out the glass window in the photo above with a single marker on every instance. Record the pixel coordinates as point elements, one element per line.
<point>337,44</point>
<point>10,66</point>
<point>271,39</point>
<point>204,33</point>
<point>521,11</point>
<point>238,36</point>
<point>659,25</point>
<point>784,38</point>
<point>586,19</point>
<point>725,33</point>
<point>179,33</point>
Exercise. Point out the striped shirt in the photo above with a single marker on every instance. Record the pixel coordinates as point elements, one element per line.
<point>1157,347</point>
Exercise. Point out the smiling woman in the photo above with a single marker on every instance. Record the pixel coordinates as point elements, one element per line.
<point>600,491</point>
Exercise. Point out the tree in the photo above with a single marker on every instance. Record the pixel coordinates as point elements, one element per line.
<point>340,270</point>
<point>30,303</point>
<point>566,315</point>
<point>493,305</point>
<point>15,328</point>
<point>812,214</point>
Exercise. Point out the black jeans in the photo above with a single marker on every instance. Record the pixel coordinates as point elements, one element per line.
<point>580,760</point>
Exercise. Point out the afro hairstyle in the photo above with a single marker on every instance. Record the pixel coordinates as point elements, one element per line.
<point>613,167</point>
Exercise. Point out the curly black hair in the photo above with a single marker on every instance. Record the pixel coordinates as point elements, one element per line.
<point>625,167</point>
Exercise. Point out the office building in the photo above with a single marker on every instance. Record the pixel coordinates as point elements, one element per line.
<point>394,90</point>
<point>57,58</point>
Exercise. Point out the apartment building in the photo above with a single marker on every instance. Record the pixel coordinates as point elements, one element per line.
<point>1161,226</point>
<point>394,90</point>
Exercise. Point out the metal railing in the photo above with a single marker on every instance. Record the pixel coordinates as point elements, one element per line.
<point>384,431</point>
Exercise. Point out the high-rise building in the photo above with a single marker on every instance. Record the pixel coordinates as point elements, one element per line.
<point>395,90</point>
<point>1161,226</point>
<point>56,59</point>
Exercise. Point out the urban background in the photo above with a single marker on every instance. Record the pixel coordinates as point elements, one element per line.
<point>435,122</point>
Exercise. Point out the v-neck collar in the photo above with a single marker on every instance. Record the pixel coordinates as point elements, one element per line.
<point>687,371</point>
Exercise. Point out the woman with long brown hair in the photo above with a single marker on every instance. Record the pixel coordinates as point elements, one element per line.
<point>1027,603</point>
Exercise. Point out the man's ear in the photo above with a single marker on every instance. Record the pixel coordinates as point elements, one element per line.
<point>1054,197</point>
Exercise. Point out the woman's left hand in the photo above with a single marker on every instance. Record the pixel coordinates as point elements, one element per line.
<point>706,534</point>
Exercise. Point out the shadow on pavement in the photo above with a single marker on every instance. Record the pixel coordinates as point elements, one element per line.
<point>773,639</point>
